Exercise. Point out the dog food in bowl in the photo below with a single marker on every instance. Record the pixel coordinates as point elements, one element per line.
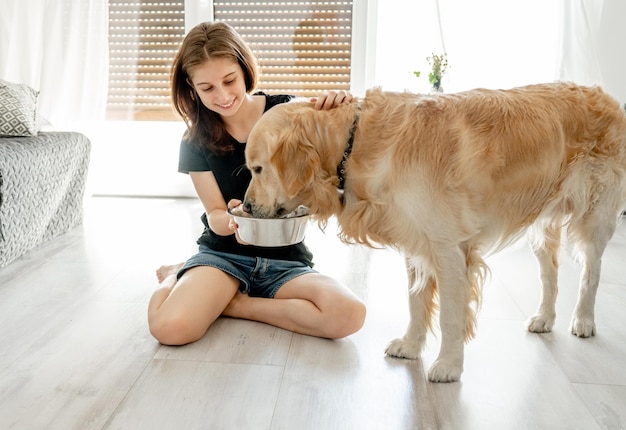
<point>271,232</point>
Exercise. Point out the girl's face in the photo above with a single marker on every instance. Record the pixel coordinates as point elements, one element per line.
<point>220,84</point>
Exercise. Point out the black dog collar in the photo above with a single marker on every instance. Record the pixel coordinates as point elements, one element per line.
<point>341,168</point>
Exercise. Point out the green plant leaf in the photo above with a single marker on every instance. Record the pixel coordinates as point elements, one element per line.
<point>432,78</point>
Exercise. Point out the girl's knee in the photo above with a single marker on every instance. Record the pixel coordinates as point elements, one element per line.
<point>174,330</point>
<point>349,319</point>
<point>357,320</point>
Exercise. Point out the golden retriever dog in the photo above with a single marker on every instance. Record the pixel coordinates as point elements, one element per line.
<point>448,179</point>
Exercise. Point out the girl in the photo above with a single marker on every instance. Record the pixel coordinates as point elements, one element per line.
<point>213,76</point>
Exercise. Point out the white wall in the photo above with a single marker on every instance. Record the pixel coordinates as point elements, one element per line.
<point>136,158</point>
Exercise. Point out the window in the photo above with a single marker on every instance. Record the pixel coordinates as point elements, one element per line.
<point>143,39</point>
<point>303,48</point>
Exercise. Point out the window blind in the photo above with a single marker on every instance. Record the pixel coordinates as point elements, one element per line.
<point>303,48</point>
<point>143,39</point>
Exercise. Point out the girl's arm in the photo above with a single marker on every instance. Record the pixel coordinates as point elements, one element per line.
<point>214,205</point>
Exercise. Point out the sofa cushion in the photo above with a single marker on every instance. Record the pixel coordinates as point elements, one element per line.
<point>18,110</point>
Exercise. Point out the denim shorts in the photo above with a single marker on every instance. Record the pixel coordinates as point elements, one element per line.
<point>258,277</point>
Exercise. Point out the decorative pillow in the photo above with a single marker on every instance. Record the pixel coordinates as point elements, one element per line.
<point>18,110</point>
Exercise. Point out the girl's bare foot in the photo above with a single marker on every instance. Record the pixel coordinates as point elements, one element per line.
<point>167,270</point>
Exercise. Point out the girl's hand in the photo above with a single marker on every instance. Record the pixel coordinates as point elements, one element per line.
<point>232,224</point>
<point>331,99</point>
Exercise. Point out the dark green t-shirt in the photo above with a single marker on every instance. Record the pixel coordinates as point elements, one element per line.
<point>233,178</point>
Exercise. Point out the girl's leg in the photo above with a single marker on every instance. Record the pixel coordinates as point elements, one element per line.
<point>311,304</point>
<point>181,311</point>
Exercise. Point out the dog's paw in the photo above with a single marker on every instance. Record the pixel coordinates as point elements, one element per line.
<point>582,327</point>
<point>402,348</point>
<point>540,324</point>
<point>445,371</point>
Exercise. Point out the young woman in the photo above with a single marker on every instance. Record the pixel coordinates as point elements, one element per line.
<point>213,76</point>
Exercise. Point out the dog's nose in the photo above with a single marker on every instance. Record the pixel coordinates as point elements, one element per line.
<point>247,207</point>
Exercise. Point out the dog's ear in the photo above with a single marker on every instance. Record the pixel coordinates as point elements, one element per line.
<point>296,158</point>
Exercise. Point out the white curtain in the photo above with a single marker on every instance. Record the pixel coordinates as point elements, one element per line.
<point>579,57</point>
<point>593,44</point>
<point>59,47</point>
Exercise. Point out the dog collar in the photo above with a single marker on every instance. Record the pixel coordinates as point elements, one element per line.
<point>341,168</point>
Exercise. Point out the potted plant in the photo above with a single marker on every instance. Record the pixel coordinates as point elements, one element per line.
<point>438,67</point>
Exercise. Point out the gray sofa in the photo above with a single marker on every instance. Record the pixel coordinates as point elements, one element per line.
<point>42,185</point>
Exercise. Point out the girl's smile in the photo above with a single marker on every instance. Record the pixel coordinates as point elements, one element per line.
<point>229,105</point>
<point>220,84</point>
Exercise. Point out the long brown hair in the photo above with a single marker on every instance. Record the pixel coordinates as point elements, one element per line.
<point>205,41</point>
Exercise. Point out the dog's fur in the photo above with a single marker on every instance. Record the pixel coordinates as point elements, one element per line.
<point>447,179</point>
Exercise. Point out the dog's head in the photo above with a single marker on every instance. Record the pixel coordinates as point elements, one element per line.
<point>287,154</point>
<point>282,160</point>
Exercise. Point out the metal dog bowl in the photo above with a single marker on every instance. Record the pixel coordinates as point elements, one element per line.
<point>271,232</point>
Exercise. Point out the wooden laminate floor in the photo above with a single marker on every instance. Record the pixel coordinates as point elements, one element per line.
<point>75,351</point>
